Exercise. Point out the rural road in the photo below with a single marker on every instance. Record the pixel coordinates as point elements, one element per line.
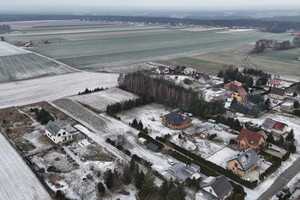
<point>281,181</point>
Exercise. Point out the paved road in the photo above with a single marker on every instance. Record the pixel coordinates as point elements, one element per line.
<point>282,180</point>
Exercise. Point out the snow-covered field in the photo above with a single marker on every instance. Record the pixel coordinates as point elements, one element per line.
<point>8,49</point>
<point>17,181</point>
<point>51,88</point>
<point>100,100</point>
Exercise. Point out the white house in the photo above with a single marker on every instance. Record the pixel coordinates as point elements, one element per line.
<point>56,133</point>
<point>204,79</point>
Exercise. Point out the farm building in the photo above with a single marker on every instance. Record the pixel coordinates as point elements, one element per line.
<point>278,93</point>
<point>189,71</point>
<point>214,188</point>
<point>56,133</point>
<point>233,86</point>
<point>243,162</point>
<point>239,94</point>
<point>274,127</point>
<point>274,83</point>
<point>176,120</point>
<point>249,139</point>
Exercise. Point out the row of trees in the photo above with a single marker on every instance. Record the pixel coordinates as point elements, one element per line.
<point>232,73</point>
<point>168,93</point>
<point>270,45</point>
<point>256,72</point>
<point>86,91</point>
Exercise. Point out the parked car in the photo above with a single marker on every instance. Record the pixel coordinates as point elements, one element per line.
<point>285,189</point>
<point>279,194</point>
<point>171,162</point>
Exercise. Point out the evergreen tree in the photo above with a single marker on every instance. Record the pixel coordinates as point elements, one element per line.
<point>132,165</point>
<point>127,175</point>
<point>268,104</point>
<point>101,189</point>
<point>176,193</point>
<point>296,104</point>
<point>148,188</point>
<point>139,180</point>
<point>140,126</point>
<point>134,123</point>
<point>290,136</point>
<point>109,181</point>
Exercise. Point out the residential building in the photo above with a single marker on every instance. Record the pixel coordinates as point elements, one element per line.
<point>277,93</point>
<point>162,70</point>
<point>189,71</point>
<point>249,139</point>
<point>243,162</point>
<point>204,78</point>
<point>274,127</point>
<point>176,120</point>
<point>56,133</point>
<point>233,86</point>
<point>273,83</point>
<point>205,130</point>
<point>215,188</point>
<point>287,106</point>
<point>180,171</point>
<point>239,94</point>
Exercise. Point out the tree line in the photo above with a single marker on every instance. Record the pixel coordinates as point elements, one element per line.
<point>232,73</point>
<point>263,25</point>
<point>168,93</point>
<point>264,45</point>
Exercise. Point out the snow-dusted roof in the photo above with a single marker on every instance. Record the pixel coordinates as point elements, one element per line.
<point>220,185</point>
<point>246,158</point>
<point>52,127</point>
<point>177,119</point>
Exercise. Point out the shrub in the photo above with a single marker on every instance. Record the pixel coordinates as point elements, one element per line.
<point>127,152</point>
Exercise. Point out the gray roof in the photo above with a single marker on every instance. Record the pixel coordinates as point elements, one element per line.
<point>182,171</point>
<point>208,125</point>
<point>177,119</point>
<point>278,91</point>
<point>152,147</point>
<point>220,185</point>
<point>196,167</point>
<point>268,123</point>
<point>246,158</point>
<point>206,195</point>
<point>52,127</point>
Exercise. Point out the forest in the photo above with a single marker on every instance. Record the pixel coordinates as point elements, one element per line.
<point>264,45</point>
<point>168,93</point>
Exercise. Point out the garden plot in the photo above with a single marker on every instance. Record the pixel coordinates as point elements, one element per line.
<point>151,117</point>
<point>8,49</point>
<point>51,88</point>
<point>17,176</point>
<point>100,100</point>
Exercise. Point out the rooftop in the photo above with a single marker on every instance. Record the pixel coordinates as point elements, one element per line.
<point>53,128</point>
<point>177,119</point>
<point>278,91</point>
<point>250,137</point>
<point>220,185</point>
<point>246,158</point>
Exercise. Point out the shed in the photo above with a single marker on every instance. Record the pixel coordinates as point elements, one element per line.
<point>152,147</point>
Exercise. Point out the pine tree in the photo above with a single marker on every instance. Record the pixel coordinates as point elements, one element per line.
<point>139,180</point>
<point>132,165</point>
<point>109,181</point>
<point>148,188</point>
<point>101,189</point>
<point>127,175</point>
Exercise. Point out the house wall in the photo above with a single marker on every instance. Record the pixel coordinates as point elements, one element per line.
<point>275,96</point>
<point>60,137</point>
<point>237,96</point>
<point>237,170</point>
<point>178,127</point>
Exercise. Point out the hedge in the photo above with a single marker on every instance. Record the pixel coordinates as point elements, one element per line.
<point>150,139</point>
<point>201,161</point>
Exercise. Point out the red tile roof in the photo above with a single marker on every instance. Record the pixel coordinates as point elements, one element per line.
<point>237,84</point>
<point>242,92</point>
<point>278,125</point>
<point>274,82</point>
<point>249,136</point>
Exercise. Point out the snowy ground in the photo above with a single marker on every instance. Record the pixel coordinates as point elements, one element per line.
<point>222,156</point>
<point>256,192</point>
<point>100,100</point>
<point>51,88</point>
<point>16,176</point>
<point>8,49</point>
<point>151,117</point>
<point>292,121</point>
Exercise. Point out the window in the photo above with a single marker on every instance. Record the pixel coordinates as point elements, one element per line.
<point>58,135</point>
<point>210,190</point>
<point>235,164</point>
<point>64,133</point>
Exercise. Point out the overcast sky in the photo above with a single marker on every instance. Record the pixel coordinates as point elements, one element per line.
<point>7,5</point>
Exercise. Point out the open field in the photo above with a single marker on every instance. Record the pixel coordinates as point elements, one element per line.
<point>51,88</point>
<point>282,63</point>
<point>19,64</point>
<point>100,100</point>
<point>202,66</point>
<point>27,66</point>
<point>17,180</point>
<point>99,48</point>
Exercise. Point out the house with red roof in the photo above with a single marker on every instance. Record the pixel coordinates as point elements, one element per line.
<point>275,127</point>
<point>274,83</point>
<point>249,139</point>
<point>233,86</point>
<point>239,94</point>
